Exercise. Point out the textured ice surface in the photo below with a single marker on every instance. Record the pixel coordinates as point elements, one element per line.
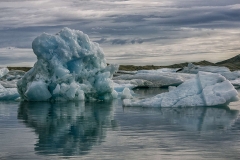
<point>191,68</point>
<point>3,72</point>
<point>10,79</point>
<point>69,67</point>
<point>207,89</point>
<point>126,94</point>
<point>156,79</point>
<point>231,75</point>
<point>8,93</point>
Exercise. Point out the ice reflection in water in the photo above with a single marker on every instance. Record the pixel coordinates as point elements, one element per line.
<point>189,118</point>
<point>76,129</point>
<point>67,128</point>
<point>106,130</point>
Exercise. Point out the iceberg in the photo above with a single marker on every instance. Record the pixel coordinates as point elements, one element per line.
<point>206,89</point>
<point>155,78</point>
<point>10,79</point>
<point>69,67</point>
<point>10,93</point>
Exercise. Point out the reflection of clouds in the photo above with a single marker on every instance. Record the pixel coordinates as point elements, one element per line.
<point>191,119</point>
<point>67,128</point>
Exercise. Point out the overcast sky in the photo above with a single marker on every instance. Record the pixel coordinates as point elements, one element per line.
<point>158,32</point>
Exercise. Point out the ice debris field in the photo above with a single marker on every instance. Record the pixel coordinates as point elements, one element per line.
<point>70,67</point>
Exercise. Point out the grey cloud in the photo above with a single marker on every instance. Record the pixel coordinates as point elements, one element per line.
<point>140,41</point>
<point>119,41</point>
<point>102,40</point>
<point>116,23</point>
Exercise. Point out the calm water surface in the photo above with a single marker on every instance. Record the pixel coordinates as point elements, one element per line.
<point>106,130</point>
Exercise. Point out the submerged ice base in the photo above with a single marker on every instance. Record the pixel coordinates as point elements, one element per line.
<point>207,89</point>
<point>69,67</point>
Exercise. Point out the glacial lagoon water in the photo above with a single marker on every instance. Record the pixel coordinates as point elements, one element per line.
<point>106,130</point>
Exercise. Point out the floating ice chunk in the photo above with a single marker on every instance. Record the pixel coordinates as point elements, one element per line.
<point>8,93</point>
<point>69,67</point>
<point>194,69</point>
<point>158,80</point>
<point>3,72</point>
<point>207,89</point>
<point>10,79</point>
<point>126,94</point>
<point>119,87</point>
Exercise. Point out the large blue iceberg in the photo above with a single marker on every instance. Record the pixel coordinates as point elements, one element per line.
<point>69,67</point>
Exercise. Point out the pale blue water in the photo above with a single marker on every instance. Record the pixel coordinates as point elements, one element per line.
<point>106,130</point>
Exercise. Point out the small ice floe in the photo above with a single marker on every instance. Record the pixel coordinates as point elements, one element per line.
<point>10,93</point>
<point>206,89</point>
<point>69,67</point>
<point>10,79</point>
